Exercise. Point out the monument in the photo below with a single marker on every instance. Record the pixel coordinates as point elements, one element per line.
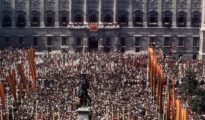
<point>83,109</point>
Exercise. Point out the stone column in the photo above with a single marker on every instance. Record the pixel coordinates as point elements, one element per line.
<point>13,13</point>
<point>85,43</point>
<point>71,43</point>
<point>202,34</point>
<point>70,12</point>
<point>115,11</point>
<point>0,13</point>
<point>160,13</point>
<point>189,11</point>
<point>100,12</point>
<point>174,13</point>
<point>130,22</point>
<point>28,13</point>
<point>42,10</point>
<point>145,13</point>
<point>115,43</point>
<point>56,13</point>
<point>85,12</point>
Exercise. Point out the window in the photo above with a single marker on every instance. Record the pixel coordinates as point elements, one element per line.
<point>49,18</point>
<point>107,41</point>
<point>181,19</point>
<point>78,18</point>
<point>35,19</point>
<point>167,41</point>
<point>6,20</point>
<point>108,18</point>
<point>35,41</point>
<point>20,40</point>
<point>123,18</point>
<point>63,18</point>
<point>196,19</point>
<point>167,19</point>
<point>181,42</point>
<point>49,41</point>
<point>138,18</point>
<point>122,42</point>
<point>152,41</point>
<point>64,40</point>
<point>93,18</point>
<point>7,40</point>
<point>196,41</point>
<point>153,19</point>
<point>137,41</point>
<point>20,20</point>
<point>79,41</point>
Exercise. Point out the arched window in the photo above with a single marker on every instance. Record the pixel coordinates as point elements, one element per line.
<point>181,19</point>
<point>123,18</point>
<point>196,19</point>
<point>78,18</point>
<point>63,18</point>
<point>49,18</point>
<point>6,19</point>
<point>108,17</point>
<point>167,19</point>
<point>138,18</point>
<point>152,19</point>
<point>21,19</point>
<point>93,17</point>
<point>35,18</point>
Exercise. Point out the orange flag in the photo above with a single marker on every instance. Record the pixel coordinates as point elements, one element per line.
<point>168,105</point>
<point>11,85</point>
<point>173,101</point>
<point>2,95</point>
<point>23,78</point>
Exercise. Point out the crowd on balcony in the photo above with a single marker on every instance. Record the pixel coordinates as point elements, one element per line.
<point>107,18</point>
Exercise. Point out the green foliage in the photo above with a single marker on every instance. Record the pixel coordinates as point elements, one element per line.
<point>197,104</point>
<point>189,82</point>
<point>192,89</point>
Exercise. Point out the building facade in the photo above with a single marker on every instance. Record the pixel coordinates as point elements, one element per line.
<point>121,24</point>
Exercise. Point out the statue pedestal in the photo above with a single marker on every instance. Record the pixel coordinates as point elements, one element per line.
<point>83,113</point>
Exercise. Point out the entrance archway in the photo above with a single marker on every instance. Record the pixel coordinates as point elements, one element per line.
<point>93,43</point>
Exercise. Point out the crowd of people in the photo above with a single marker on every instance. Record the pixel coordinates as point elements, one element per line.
<point>118,84</point>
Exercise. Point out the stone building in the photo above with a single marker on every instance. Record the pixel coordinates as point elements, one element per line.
<point>122,25</point>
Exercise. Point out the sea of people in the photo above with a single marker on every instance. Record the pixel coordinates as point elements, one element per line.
<point>118,84</point>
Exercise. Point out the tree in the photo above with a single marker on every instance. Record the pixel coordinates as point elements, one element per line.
<point>192,89</point>
<point>189,82</point>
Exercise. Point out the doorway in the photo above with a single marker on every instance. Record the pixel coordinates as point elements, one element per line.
<point>93,44</point>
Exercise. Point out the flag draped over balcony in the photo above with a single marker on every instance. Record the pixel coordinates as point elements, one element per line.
<point>93,27</point>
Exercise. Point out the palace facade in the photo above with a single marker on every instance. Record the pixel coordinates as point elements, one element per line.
<point>172,25</point>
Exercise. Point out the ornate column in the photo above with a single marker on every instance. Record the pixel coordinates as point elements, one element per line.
<point>100,12</point>
<point>70,12</point>
<point>13,13</point>
<point>56,13</point>
<point>189,11</point>
<point>27,13</point>
<point>202,34</point>
<point>174,12</point>
<point>115,11</point>
<point>0,13</point>
<point>85,11</point>
<point>130,22</point>
<point>145,13</point>
<point>85,43</point>
<point>42,10</point>
<point>160,13</point>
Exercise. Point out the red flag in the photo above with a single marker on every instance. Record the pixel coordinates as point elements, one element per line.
<point>2,95</point>
<point>23,79</point>
<point>174,101</point>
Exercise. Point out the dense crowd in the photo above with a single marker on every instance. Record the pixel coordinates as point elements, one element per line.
<point>118,84</point>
